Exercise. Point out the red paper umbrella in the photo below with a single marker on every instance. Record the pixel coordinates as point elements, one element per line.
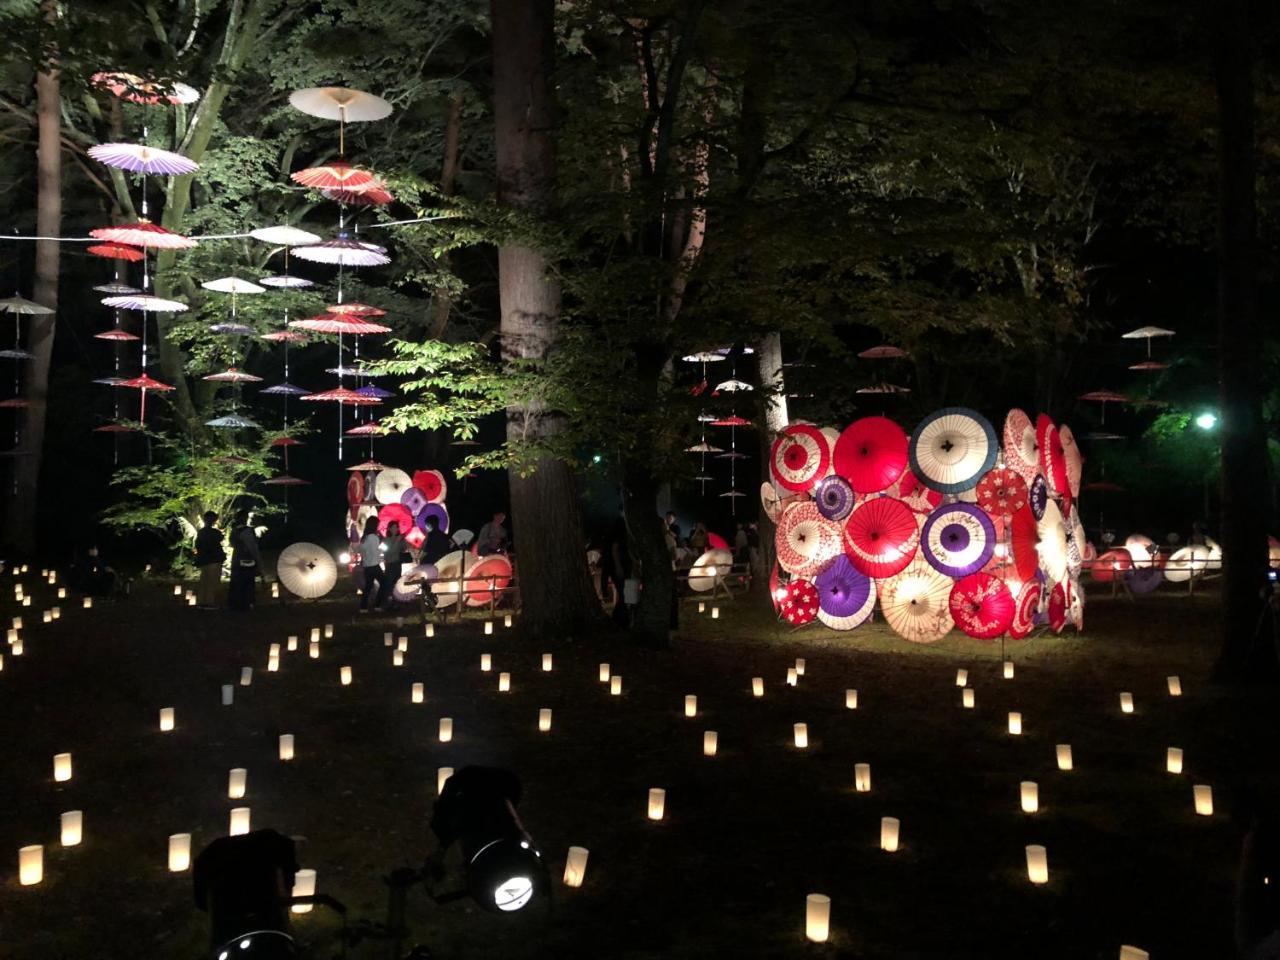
<point>343,395</point>
<point>394,513</point>
<point>1025,609</point>
<point>881,536</point>
<point>1111,565</point>
<point>883,352</point>
<point>1104,396</point>
<point>1057,608</point>
<point>495,571</point>
<point>914,494</point>
<point>431,483</point>
<point>1002,492</point>
<point>355,489</point>
<point>144,233</point>
<point>1053,463</point>
<point>114,334</point>
<point>806,541</point>
<point>871,454</point>
<point>733,421</point>
<point>982,606</point>
<point>144,382</point>
<point>336,175</point>
<point>1021,452</point>
<point>116,428</point>
<point>333,323</point>
<point>800,603</point>
<point>800,457</point>
<point>1023,537</point>
<point>376,194</point>
<point>285,336</point>
<point>374,429</point>
<point>117,251</point>
<point>356,309</point>
<point>285,442</point>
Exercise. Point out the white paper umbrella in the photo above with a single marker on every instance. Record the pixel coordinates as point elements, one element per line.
<point>390,484</point>
<point>306,570</point>
<point>1141,548</point>
<point>233,285</point>
<point>144,301</point>
<point>462,537</point>
<point>343,251</point>
<point>1186,563</point>
<point>284,236</point>
<point>17,304</point>
<point>916,603</point>
<point>1052,548</point>
<point>339,103</point>
<point>710,568</point>
<point>952,448</point>
<point>446,586</point>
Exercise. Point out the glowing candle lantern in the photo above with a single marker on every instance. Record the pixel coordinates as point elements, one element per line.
<point>16,649</point>
<point>275,590</point>
<point>304,885</point>
<point>179,852</point>
<point>800,733</point>
<point>603,673</point>
<point>546,663</point>
<point>402,644</point>
<point>575,866</point>
<point>702,606</point>
<point>657,803</point>
<point>397,658</point>
<point>71,826</point>
<point>62,767</point>
<point>486,662</point>
<point>88,603</point>
<point>429,630</point>
<point>292,644</point>
<point>967,698</point>
<point>544,719</point>
<point>504,683</point>
<point>800,664</point>
<point>177,589</point>
<point>273,650</point>
<point>47,616</point>
<point>273,665</point>
<point>418,693</point>
<point>246,676</point>
<point>286,746</point>
<point>237,781</point>
<point>889,829</point>
<point>1204,799</point>
<point>710,742</point>
<point>962,678</point>
<point>26,601</point>
<point>1015,723</point>
<point>757,686</point>
<point>1173,760</point>
<point>387,638</point>
<point>792,676</point>
<point>30,865</point>
<point>1037,863</point>
<point>17,623</point>
<point>315,634</point>
<point>506,621</point>
<point>1,662</point>
<point>615,686</point>
<point>62,593</point>
<point>239,821</point>
<point>328,631</point>
<point>1133,953</point>
<point>862,777</point>
<point>228,694</point>
<point>1064,756</point>
<point>817,917</point>
<point>488,628</point>
<point>715,613</point>
<point>166,719</point>
<point>1126,703</point>
<point>345,676</point>
<point>691,705</point>
<point>11,636</point>
<point>1175,686</point>
<point>313,650</point>
<point>1029,792</point>
<point>446,729</point>
<point>1008,669</point>
<point>442,776</point>
<point>851,699</point>
<point>191,599</point>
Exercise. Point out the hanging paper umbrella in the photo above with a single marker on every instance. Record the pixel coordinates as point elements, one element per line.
<point>17,304</point>
<point>846,596</point>
<point>1025,608</point>
<point>232,285</point>
<point>915,494</point>
<point>834,497</point>
<point>1147,366</point>
<point>1057,608</point>
<point>431,483</point>
<point>952,448</point>
<point>14,403</point>
<point>136,89</point>
<point>284,480</point>
<point>344,252</point>
<point>799,457</point>
<point>284,236</point>
<point>708,569</point>
<point>800,605</point>
<point>1147,333</point>
<point>1021,452</point>
<point>232,376</point>
<point>110,381</point>
<point>144,233</point>
<point>982,606</point>
<point>916,603</point>
<point>342,395</point>
<point>285,336</point>
<point>286,282</point>
<point>232,329</point>
<point>17,353</point>
<point>731,455</point>
<point>733,421</point>
<point>336,175</point>
<point>145,382</point>
<point>389,485</point>
<point>1002,492</point>
<point>373,391</point>
<point>733,386</point>
<point>285,390</point>
<point>1052,547</point>
<point>339,103</point>
<point>333,323</point>
<point>707,356</point>
<point>116,251</point>
<point>145,302</point>
<point>871,454</point>
<point>881,536</point>
<point>958,539</point>
<point>115,334</point>
<point>806,541</point>
<point>703,447</point>
<point>883,388</point>
<point>1072,459</point>
<point>139,158</point>
<point>390,513</point>
<point>375,193</point>
<point>373,429</point>
<point>1038,496</point>
<point>495,573</point>
<point>233,422</point>
<point>117,428</point>
<point>116,288</point>
<point>356,309</point>
<point>1111,564</point>
<point>285,442</point>
<point>883,352</point>
<point>307,570</point>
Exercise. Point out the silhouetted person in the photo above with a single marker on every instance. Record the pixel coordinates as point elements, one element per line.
<point>437,543</point>
<point>245,560</point>
<point>492,537</point>
<point>370,551</point>
<point>209,559</point>
<point>392,562</point>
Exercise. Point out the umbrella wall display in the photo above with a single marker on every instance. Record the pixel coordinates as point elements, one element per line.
<point>881,536</point>
<point>916,603</point>
<point>799,603</point>
<point>958,539</point>
<point>951,448</point>
<point>871,454</point>
<point>1052,530</point>
<point>982,606</point>
<point>846,596</point>
<point>799,457</point>
<point>306,570</point>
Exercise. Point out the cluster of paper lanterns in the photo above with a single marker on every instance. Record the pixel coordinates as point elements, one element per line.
<point>952,526</point>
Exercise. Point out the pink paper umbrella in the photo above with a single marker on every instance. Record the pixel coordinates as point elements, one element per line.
<point>116,251</point>
<point>342,251</point>
<point>144,383</point>
<point>144,233</point>
<point>138,158</point>
<point>334,323</point>
<point>342,395</point>
<point>982,606</point>
<point>335,175</point>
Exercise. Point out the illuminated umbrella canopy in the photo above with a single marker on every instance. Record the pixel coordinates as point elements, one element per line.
<point>336,323</point>
<point>806,541</point>
<point>115,333</point>
<point>144,382</point>
<point>286,281</point>
<point>916,495</point>
<point>1002,492</point>
<point>1023,539</point>
<point>982,606</point>
<point>336,175</point>
<point>17,353</point>
<point>1186,563</point>
<point>881,536</point>
<point>800,604</point>
<point>342,395</point>
<point>773,501</point>
<point>496,569</point>
<point>1026,606</point>
<point>799,457</point>
<point>285,236</point>
<point>1057,608</point>
<point>232,421</point>
<point>17,304</point>
<point>285,480</point>
<point>1111,564</point>
<point>846,596</point>
<point>374,429</point>
<point>372,194</point>
<point>1053,463</point>
<point>414,500</point>
<point>285,390</point>
<point>883,387</point>
<point>708,569</point>
<point>441,513</point>
<point>306,570</point>
<point>916,603</point>
<point>138,158</point>
<point>1021,451</point>
<point>703,447</point>
<point>1141,548</point>
<point>958,539</point>
<point>285,336</point>
<point>389,486</point>
<point>1072,458</point>
<point>344,252</point>
<point>431,483</point>
<point>339,103</point>
<point>1052,530</point>
<point>883,352</point>
<point>233,285</point>
<point>732,421</point>
<point>232,376</point>
<point>871,454</point>
<point>144,233</point>
<point>834,497</point>
<point>136,89</point>
<point>116,251</point>
<point>144,302</point>
<point>396,513</point>
<point>733,386</point>
<point>356,309</point>
<point>116,287</point>
<point>952,448</point>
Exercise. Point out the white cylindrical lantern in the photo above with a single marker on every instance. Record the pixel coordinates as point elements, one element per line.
<point>1173,760</point>
<point>47,616</point>
<point>88,603</point>
<point>657,803</point>
<point>228,694</point>
<point>603,673</point>
<point>315,634</point>
<point>419,693</point>
<point>17,623</point>
<point>506,621</point>
<point>62,767</point>
<point>504,682</point>
<point>442,775</point>
<point>11,636</point>
<point>615,685</point>
<point>275,589</point>
<point>397,658</point>
<point>1008,669</point>
<point>304,885</point>
<point>800,734</point>
<point>967,698</point>
<point>166,719</point>
<point>273,651</point>
<point>488,628</point>
<point>1204,799</point>
<point>30,865</point>
<point>1064,756</point>
<point>1175,686</point>
<point>962,678</point>
<point>1037,863</point>
<point>328,631</point>
<point>429,630</point>
<point>246,676</point>
<point>757,686</point>
<point>16,648</point>
<point>286,746</point>
<point>26,601</point>
<point>1029,793</point>
<point>1133,953</point>
<point>446,729</point>
<point>57,612</point>
<point>546,663</point>
<point>237,780</point>
<point>817,917</point>
<point>862,777</point>
<point>702,606</point>
<point>851,699</point>
<point>691,705</point>
<point>575,866</point>
<point>1015,723</point>
<point>273,665</point>
<point>177,589</point>
<point>486,662</point>
<point>62,593</point>
<point>313,649</point>
<point>715,613</point>
<point>710,743</point>
<point>191,600</point>
<point>239,821</point>
<point>800,665</point>
<point>344,675</point>
<point>889,829</point>
<point>792,676</point>
<point>179,852</point>
<point>402,644</point>
<point>388,638</point>
<point>292,643</point>
<point>544,719</point>
<point>1126,703</point>
<point>72,827</point>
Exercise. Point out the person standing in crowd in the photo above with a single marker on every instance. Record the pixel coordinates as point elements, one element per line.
<point>371,562</point>
<point>615,565</point>
<point>244,566</point>
<point>698,539</point>
<point>437,543</point>
<point>672,527</point>
<point>741,545</point>
<point>209,560</point>
<point>493,536</point>
<point>392,562</point>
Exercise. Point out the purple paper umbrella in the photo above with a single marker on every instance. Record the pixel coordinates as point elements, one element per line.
<point>137,158</point>
<point>846,596</point>
<point>835,497</point>
<point>372,391</point>
<point>414,499</point>
<point>1143,579</point>
<point>436,510</point>
<point>958,539</point>
<point>231,329</point>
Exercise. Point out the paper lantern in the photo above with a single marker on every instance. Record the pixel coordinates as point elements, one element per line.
<point>88,603</point>
<point>575,866</point>
<point>430,630</point>
<point>292,644</point>
<point>967,698</point>
<point>702,606</point>
<point>273,665</point>
<point>62,593</point>
<point>962,678</point>
<point>71,826</point>
<point>16,649</point>
<point>166,719</point>
<point>191,600</point>
<point>486,662</point>
<point>1173,760</point>
<point>862,777</point>
<point>851,699</point>
<point>488,628</point>
<point>800,666</point>
<point>1029,793</point>
<point>657,803</point>
<point>328,631</point>
<point>1,662</point>
<point>402,644</point>
<point>710,742</point>
<point>546,663</point>
<point>177,590</point>
<point>757,686</point>
<point>1008,669</point>
<point>239,821</point>
<point>286,746</point>
<point>446,729</point>
<point>246,676</point>
<point>236,782</point>
<point>1037,863</point>
<point>1133,953</point>
<point>26,601</point>
<point>889,828</point>
<point>313,650</point>
<point>615,686</point>
<point>11,635</point>
<point>544,719</point>
<point>442,776</point>
<point>397,658</point>
<point>792,677</point>
<point>1204,799</point>
<point>345,676</point>
<point>388,639</point>
<point>304,885</point>
<point>1015,723</point>
<point>504,682</point>
<point>418,693</point>
<point>56,612</point>
<point>1126,703</point>
<point>315,634</point>
<point>1064,756</point>
<point>62,767</point>
<point>800,733</point>
<point>179,852</point>
<point>506,621</point>
<point>715,613</point>
<point>817,917</point>
<point>1175,687</point>
<point>691,705</point>
<point>228,694</point>
<point>47,616</point>
<point>30,865</point>
<point>604,673</point>
<point>274,650</point>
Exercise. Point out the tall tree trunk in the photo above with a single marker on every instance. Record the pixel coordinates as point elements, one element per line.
<point>554,586</point>
<point>22,511</point>
<point>1245,651</point>
<point>776,417</point>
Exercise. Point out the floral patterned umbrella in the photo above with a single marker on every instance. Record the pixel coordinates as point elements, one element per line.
<point>916,603</point>
<point>799,457</point>
<point>982,606</point>
<point>881,536</point>
<point>806,541</point>
<point>800,605</point>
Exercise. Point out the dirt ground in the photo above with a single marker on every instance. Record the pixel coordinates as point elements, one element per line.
<point>747,833</point>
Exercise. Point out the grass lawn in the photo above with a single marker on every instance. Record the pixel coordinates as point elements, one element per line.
<point>747,834</point>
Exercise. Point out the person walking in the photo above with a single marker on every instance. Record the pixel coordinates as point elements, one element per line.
<point>392,563</point>
<point>371,561</point>
<point>209,560</point>
<point>493,536</point>
<point>437,543</point>
<point>245,560</point>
